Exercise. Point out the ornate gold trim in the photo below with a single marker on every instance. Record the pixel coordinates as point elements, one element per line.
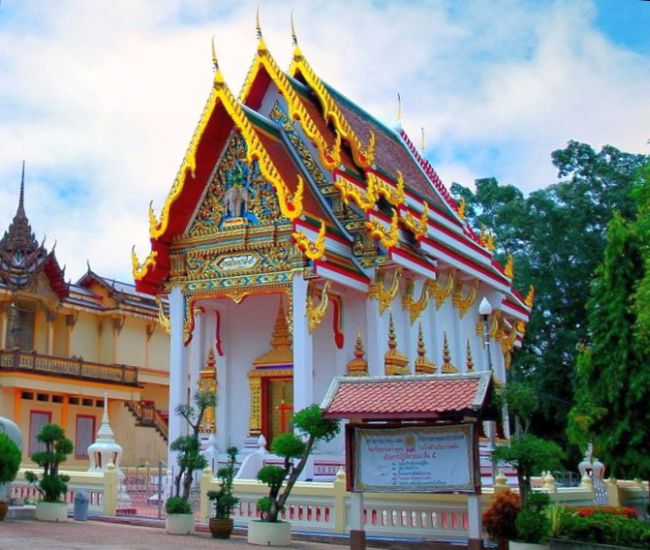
<point>415,308</point>
<point>315,250</point>
<point>364,198</point>
<point>162,318</point>
<point>441,293</point>
<point>470,361</point>
<point>363,157</point>
<point>461,209</point>
<point>509,270</point>
<point>315,313</point>
<point>387,238</point>
<point>418,226</point>
<point>140,270</point>
<point>290,205</point>
<point>377,290</point>
<point>395,362</point>
<point>530,297</point>
<point>394,196</point>
<point>463,303</point>
<point>329,157</point>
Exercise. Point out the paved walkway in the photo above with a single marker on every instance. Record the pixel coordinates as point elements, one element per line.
<point>95,535</point>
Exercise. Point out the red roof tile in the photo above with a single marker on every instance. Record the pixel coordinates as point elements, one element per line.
<point>405,397</point>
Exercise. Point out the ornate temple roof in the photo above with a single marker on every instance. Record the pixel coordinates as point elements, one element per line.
<point>22,258</point>
<point>358,194</point>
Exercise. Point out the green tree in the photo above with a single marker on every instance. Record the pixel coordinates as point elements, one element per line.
<point>557,237</point>
<point>613,382</point>
<point>51,485</point>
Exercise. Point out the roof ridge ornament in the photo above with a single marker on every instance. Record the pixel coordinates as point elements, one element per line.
<point>297,52</point>
<point>218,81</point>
<point>261,45</point>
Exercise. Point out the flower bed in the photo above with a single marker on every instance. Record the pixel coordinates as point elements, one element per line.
<point>586,511</point>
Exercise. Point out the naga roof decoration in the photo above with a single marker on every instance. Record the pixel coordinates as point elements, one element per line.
<point>22,258</point>
<point>356,195</point>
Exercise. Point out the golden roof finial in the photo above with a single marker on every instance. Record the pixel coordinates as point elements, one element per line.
<point>392,339</point>
<point>358,366</point>
<point>461,208</point>
<point>297,53</point>
<point>447,367</point>
<point>422,364</point>
<point>261,45</point>
<point>470,360</point>
<point>218,77</point>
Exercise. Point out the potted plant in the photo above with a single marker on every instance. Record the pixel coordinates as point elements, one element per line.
<point>180,520</point>
<point>10,456</point>
<point>51,485</point>
<point>221,525</point>
<point>295,451</point>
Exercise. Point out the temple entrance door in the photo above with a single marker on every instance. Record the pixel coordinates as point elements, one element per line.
<point>279,407</point>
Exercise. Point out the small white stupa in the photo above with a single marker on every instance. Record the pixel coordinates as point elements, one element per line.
<point>104,450</point>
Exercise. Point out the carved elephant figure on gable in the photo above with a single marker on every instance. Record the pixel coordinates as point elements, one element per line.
<point>236,198</point>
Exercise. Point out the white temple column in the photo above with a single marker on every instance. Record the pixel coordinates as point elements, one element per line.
<point>303,348</point>
<point>223,407</point>
<point>377,337</point>
<point>177,378</point>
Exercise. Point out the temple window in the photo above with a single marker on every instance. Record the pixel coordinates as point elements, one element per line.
<point>37,419</point>
<point>84,435</point>
<point>20,328</point>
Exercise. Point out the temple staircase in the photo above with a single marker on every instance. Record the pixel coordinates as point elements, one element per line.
<point>146,414</point>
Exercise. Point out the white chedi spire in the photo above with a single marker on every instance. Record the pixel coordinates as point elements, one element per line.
<point>104,450</point>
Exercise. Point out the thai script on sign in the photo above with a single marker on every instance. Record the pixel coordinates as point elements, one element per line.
<point>414,459</point>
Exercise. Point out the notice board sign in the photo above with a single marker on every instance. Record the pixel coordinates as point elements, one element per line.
<point>418,459</point>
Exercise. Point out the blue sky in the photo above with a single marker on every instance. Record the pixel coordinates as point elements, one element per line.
<point>101,98</point>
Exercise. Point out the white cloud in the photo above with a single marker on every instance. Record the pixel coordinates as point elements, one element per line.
<point>101,99</point>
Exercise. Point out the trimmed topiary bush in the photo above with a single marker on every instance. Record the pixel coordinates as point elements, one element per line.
<point>51,484</point>
<point>10,457</point>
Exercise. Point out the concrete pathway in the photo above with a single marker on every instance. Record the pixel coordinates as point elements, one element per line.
<point>96,535</point>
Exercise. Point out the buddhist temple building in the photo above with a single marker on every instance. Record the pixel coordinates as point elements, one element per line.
<point>303,239</point>
<point>65,347</point>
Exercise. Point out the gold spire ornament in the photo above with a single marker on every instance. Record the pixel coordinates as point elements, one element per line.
<point>218,77</point>
<point>395,362</point>
<point>422,364</point>
<point>461,209</point>
<point>470,361</point>
<point>358,366</point>
<point>447,367</point>
<point>261,45</point>
<point>281,352</point>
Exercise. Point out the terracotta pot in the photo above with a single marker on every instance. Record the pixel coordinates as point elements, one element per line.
<point>179,524</point>
<point>51,511</point>
<point>4,508</point>
<point>221,528</point>
<point>266,533</point>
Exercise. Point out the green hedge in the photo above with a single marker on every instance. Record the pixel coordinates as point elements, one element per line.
<point>607,529</point>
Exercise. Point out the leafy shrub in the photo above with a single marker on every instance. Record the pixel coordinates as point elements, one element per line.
<point>9,459</point>
<point>177,505</point>
<point>499,518</point>
<point>532,526</point>
<point>558,517</point>
<point>57,447</point>
<point>607,529</point>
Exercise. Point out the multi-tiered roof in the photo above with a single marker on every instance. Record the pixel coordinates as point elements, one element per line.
<point>358,194</point>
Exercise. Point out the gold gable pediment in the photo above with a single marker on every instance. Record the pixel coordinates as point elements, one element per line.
<point>236,196</point>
